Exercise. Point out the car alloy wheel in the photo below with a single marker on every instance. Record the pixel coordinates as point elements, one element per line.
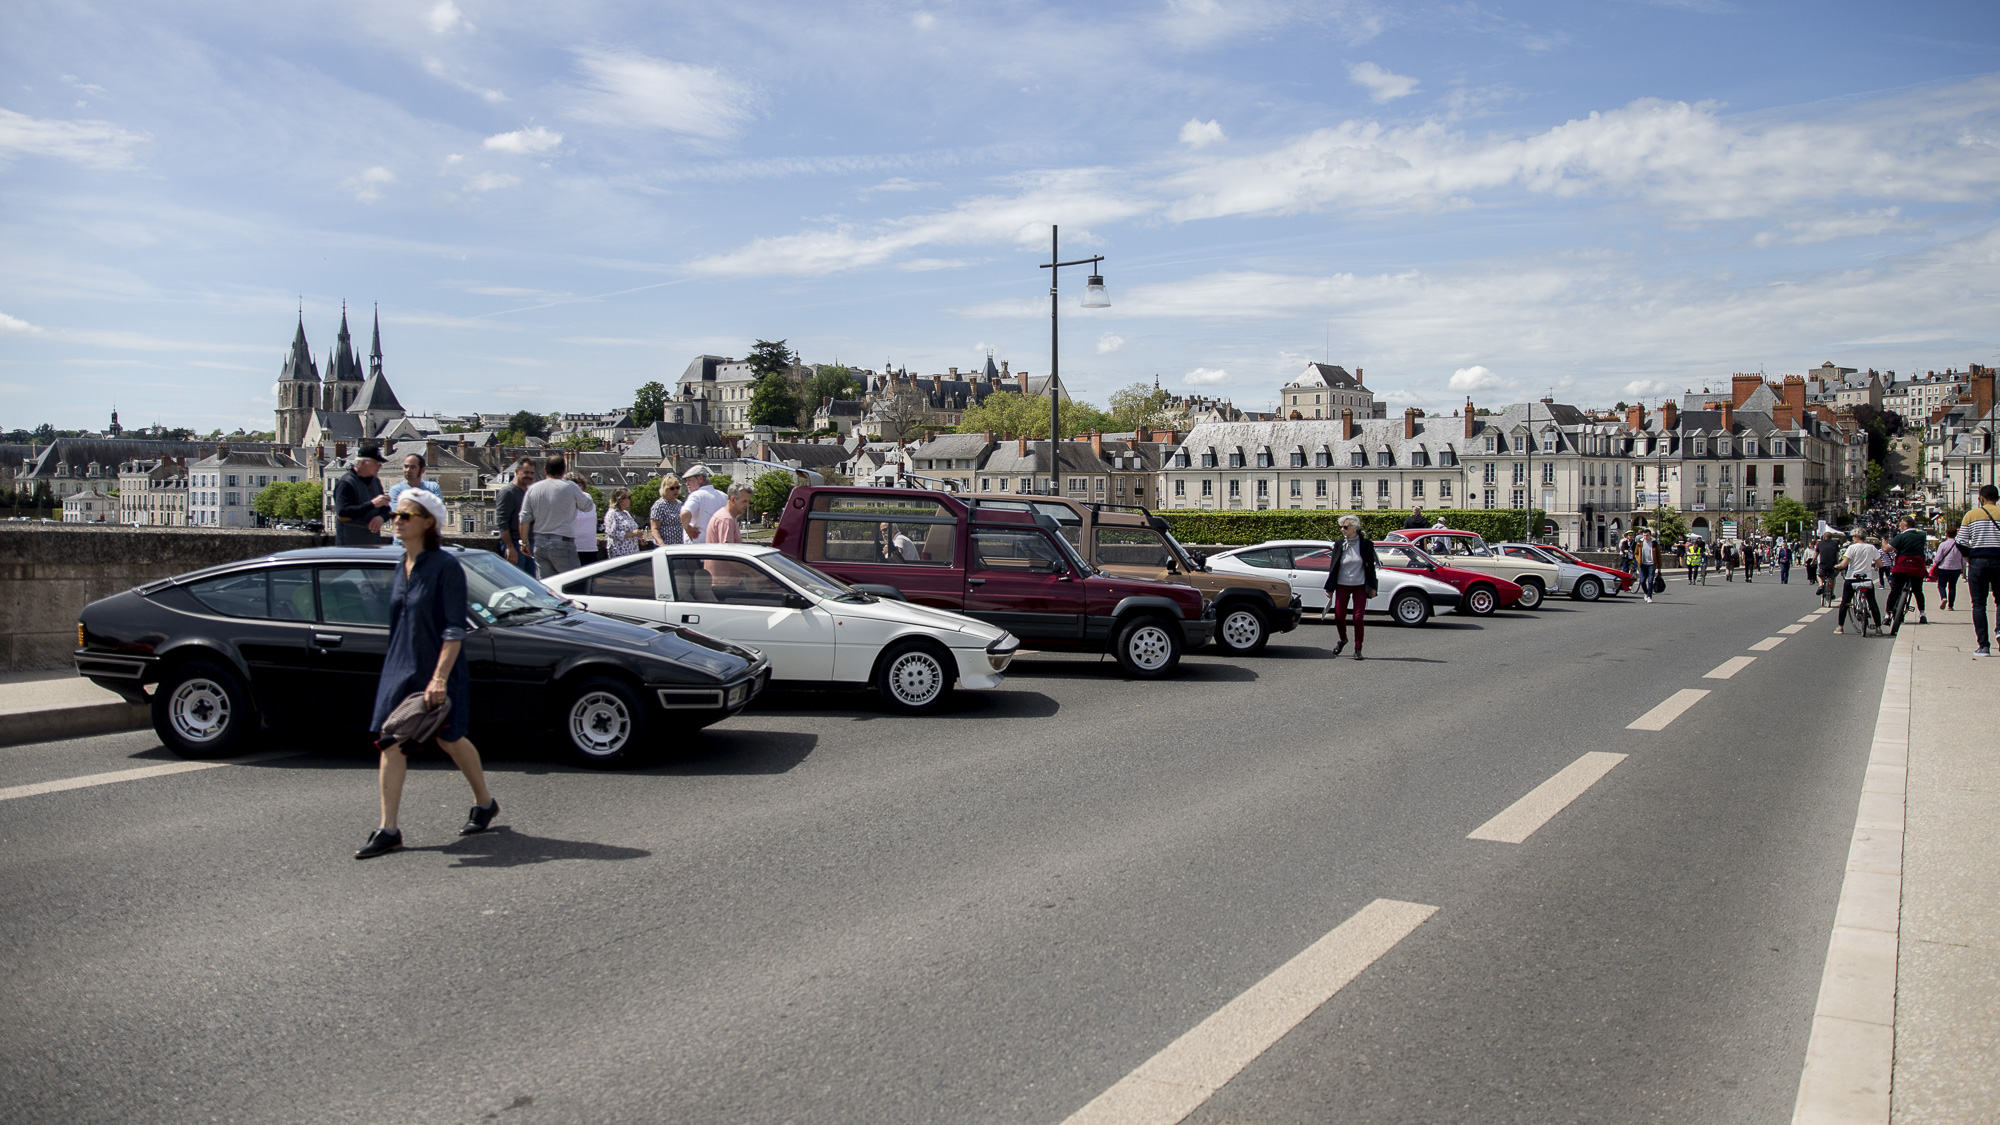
<point>600,723</point>
<point>1410,608</point>
<point>1481,601</point>
<point>1242,630</point>
<point>1531,595</point>
<point>1148,647</point>
<point>199,710</point>
<point>1589,589</point>
<point>914,678</point>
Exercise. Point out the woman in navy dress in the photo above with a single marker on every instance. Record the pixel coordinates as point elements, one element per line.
<point>426,632</point>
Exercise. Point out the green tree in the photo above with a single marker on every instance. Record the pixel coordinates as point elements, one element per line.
<point>1139,405</point>
<point>1786,510</point>
<point>577,441</point>
<point>649,404</point>
<point>720,482</point>
<point>832,380</point>
<point>1012,415</point>
<point>527,423</point>
<point>769,357</point>
<point>1877,482</point>
<point>772,401</point>
<point>1669,524</point>
<point>643,496</point>
<point>288,500</point>
<point>768,495</point>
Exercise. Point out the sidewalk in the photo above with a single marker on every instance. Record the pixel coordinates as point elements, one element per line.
<point>43,706</point>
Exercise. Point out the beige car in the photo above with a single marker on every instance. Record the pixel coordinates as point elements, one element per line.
<point>1467,550</point>
<point>1134,543</point>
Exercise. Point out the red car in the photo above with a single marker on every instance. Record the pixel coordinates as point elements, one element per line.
<point>1480,594</point>
<point>1625,578</point>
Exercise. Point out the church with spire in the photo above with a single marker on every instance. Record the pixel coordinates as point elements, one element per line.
<point>344,406</point>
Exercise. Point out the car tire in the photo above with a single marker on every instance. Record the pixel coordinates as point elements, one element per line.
<point>1241,629</point>
<point>1481,600</point>
<point>914,677</point>
<point>1148,647</point>
<point>604,724</point>
<point>1531,594</point>
<point>1587,589</point>
<point>202,710</point>
<point>1410,607</point>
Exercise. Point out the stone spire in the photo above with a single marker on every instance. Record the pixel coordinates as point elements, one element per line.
<point>375,351</point>
<point>345,369</point>
<point>299,364</point>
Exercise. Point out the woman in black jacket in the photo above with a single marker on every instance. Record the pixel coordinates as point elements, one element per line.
<point>1350,581</point>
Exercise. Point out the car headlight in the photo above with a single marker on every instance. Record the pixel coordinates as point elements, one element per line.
<point>1000,653</point>
<point>737,693</point>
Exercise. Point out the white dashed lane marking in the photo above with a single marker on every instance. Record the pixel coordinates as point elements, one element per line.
<point>1729,667</point>
<point>1767,644</point>
<point>1519,820</point>
<point>1669,710</point>
<point>1174,1083</point>
<point>1790,629</point>
<point>141,773</point>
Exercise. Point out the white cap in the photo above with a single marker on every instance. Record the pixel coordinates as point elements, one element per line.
<point>697,471</point>
<point>432,506</point>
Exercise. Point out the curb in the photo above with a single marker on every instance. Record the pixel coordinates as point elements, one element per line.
<point>73,722</point>
<point>1850,1059</point>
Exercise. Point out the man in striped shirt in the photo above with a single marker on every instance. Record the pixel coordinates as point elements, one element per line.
<point>1979,539</point>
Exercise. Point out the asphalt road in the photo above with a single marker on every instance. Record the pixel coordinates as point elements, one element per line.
<point>820,913</point>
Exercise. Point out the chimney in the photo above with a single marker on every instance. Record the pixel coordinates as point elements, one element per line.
<point>1357,375</point>
<point>1471,423</point>
<point>1635,417</point>
<point>1022,449</point>
<point>937,383</point>
<point>930,436</point>
<point>1982,390</point>
<point>954,373</point>
<point>1021,381</point>
<point>222,450</point>
<point>1347,423</point>
<point>1794,394</point>
<point>1097,445</point>
<point>1409,423</point>
<point>1741,387</point>
<point>430,452</point>
<point>1728,417</point>
<point>1003,369</point>
<point>988,436</point>
<point>1781,416</point>
<point>463,451</point>
<point>1670,415</point>
<point>1144,434</point>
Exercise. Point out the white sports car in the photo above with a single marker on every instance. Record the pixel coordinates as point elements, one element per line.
<point>816,630</point>
<point>1408,599</point>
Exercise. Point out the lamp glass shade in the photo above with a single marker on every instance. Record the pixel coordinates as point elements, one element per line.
<point>1094,296</point>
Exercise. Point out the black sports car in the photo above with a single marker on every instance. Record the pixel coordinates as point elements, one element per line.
<point>299,637</point>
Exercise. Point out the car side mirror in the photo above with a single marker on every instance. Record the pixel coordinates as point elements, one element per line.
<point>797,601</point>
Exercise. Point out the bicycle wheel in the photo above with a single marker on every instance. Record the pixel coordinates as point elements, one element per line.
<point>1857,615</point>
<point>1899,602</point>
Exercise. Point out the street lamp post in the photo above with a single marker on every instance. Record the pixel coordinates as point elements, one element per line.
<point>1094,297</point>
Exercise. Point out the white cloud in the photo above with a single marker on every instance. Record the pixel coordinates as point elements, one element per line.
<point>1647,388</point>
<point>923,21</point>
<point>901,183</point>
<point>1203,376</point>
<point>1109,342</point>
<point>533,139</point>
<point>436,68</point>
<point>1473,378</point>
<point>491,181</point>
<point>445,16</point>
<point>1830,228</point>
<point>632,90</point>
<point>15,326</point>
<point>924,265</point>
<point>1382,86</point>
<point>93,144</point>
<point>1200,134</point>
<point>367,184</point>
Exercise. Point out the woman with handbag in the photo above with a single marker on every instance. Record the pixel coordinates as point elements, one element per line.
<point>1946,568</point>
<point>1350,581</point>
<point>426,632</point>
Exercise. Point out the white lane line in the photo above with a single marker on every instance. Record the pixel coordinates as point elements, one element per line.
<point>1790,629</point>
<point>1174,1083</point>
<point>1729,667</point>
<point>1668,711</point>
<point>141,773</point>
<point>1811,617</point>
<point>1767,644</point>
<point>1519,820</point>
<point>1850,1059</point>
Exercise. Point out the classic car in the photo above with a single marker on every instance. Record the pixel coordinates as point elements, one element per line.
<point>298,637</point>
<point>1468,550</point>
<point>1406,597</point>
<point>1481,594</point>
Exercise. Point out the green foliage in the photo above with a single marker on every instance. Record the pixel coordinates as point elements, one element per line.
<point>769,494</point>
<point>1140,404</point>
<point>578,441</point>
<point>288,500</point>
<point>721,482</point>
<point>596,498</point>
<point>769,357</point>
<point>831,381</point>
<point>643,497</point>
<point>1013,415</point>
<point>1952,515</point>
<point>1786,510</point>
<point>1237,528</point>
<point>649,404</point>
<point>772,401</point>
<point>527,423</point>
<point>1667,523</point>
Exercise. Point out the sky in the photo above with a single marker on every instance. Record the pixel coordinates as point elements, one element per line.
<point>552,204</point>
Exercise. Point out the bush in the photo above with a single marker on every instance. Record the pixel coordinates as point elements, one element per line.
<point>769,493</point>
<point>1240,528</point>
<point>643,497</point>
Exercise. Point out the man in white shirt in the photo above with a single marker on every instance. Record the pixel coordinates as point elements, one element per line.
<point>549,519</point>
<point>1858,563</point>
<point>702,503</point>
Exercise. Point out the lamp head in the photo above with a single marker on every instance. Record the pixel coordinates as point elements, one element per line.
<point>1094,296</point>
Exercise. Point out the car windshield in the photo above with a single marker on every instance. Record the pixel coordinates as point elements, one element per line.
<point>1187,556</point>
<point>496,589</point>
<point>1075,559</point>
<point>812,581</point>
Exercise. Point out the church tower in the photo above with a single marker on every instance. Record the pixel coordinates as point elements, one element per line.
<point>375,351</point>
<point>298,390</point>
<point>343,375</point>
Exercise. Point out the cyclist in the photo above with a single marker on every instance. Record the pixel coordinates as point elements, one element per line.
<point>1827,554</point>
<point>1907,572</point>
<point>1858,564</point>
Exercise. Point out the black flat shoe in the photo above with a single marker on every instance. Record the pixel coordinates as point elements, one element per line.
<point>1339,647</point>
<point>382,841</point>
<point>1357,654</point>
<point>480,816</point>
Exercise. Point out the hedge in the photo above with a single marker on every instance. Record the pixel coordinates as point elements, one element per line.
<point>1236,528</point>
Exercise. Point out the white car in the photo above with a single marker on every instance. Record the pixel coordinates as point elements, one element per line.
<point>1408,599</point>
<point>817,631</point>
<point>1568,574</point>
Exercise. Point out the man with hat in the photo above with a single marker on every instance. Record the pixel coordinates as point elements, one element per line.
<point>359,504</point>
<point>704,500</point>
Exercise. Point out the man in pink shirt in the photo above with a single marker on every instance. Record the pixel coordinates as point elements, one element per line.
<point>723,526</point>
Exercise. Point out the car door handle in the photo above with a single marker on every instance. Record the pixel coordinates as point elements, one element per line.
<point>975,582</point>
<point>326,640</point>
<point>690,618</point>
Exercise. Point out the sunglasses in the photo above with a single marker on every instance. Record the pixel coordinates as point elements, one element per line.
<point>408,515</point>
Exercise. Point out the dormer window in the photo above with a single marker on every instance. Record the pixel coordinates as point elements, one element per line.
<point>1323,459</point>
<point>1420,458</point>
<point>1298,458</point>
<point>1722,446</point>
<point>1548,442</point>
<point>1236,459</point>
<point>1208,460</point>
<point>1357,459</point>
<point>1490,443</point>
<point>1749,447</point>
<point>1701,447</point>
<point>1386,457</point>
<point>1447,458</point>
<point>1263,458</point>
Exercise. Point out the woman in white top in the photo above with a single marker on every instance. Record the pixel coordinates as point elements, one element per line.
<point>586,535</point>
<point>1858,563</point>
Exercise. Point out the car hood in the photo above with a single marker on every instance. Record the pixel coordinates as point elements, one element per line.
<point>910,613</point>
<point>685,647</point>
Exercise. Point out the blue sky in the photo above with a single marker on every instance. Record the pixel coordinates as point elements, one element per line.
<point>555,203</point>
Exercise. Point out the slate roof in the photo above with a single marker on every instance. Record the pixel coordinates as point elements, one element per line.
<point>1326,375</point>
<point>376,395</point>
<point>1372,436</point>
<point>343,367</point>
<point>109,453</point>
<point>657,441</point>
<point>299,365</point>
<point>809,455</point>
<point>701,369</point>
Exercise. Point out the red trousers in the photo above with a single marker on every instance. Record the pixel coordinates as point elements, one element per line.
<point>1356,598</point>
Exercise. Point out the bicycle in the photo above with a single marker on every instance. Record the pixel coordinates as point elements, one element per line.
<point>1861,607</point>
<point>1826,598</point>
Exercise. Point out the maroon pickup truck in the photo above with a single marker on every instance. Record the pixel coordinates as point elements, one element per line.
<point>1013,569</point>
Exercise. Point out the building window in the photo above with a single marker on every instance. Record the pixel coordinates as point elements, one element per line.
<point>1263,489</point>
<point>1416,490</point>
<point>1489,443</point>
<point>1236,460</point>
<point>1701,496</point>
<point>1548,472</point>
<point>1750,498</point>
<point>1777,476</point>
<point>1701,447</point>
<point>1444,489</point>
<point>1181,460</point>
<point>1323,459</point>
<point>1235,490</point>
<point>1354,490</point>
<point>1488,498</point>
<point>1180,488</point>
<point>1749,476</point>
<point>1381,490</point>
<point>1520,474</point>
<point>1263,458</point>
<point>1003,484</point>
<point>1701,474</point>
<point>1519,499</point>
<point>1207,488</point>
<point>1298,460</point>
<point>1319,488</point>
<point>1298,488</point>
<point>1357,459</point>
<point>1027,484</point>
<point>1492,473</point>
<point>985,484</point>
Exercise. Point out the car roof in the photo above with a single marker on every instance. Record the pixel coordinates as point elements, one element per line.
<point>384,555</point>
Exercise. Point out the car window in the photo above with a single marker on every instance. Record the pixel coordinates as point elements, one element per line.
<point>495,588</point>
<point>292,594</point>
<point>1312,558</point>
<point>633,580</point>
<point>724,581</point>
<point>238,595</point>
<point>1265,558</point>
<point>1132,546</point>
<point>893,530</point>
<point>1022,552</point>
<point>356,595</point>
<point>1393,556</point>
